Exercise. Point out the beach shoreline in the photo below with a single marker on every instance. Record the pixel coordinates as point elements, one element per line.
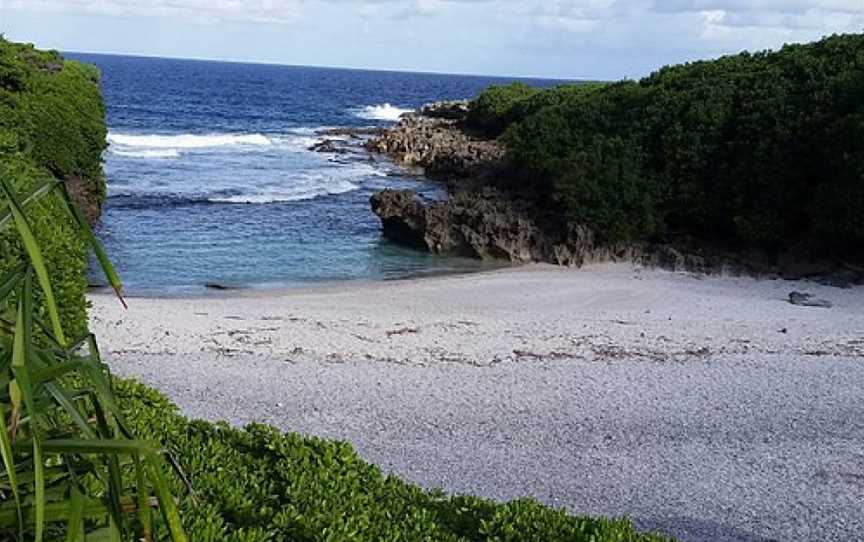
<point>688,403</point>
<point>494,312</point>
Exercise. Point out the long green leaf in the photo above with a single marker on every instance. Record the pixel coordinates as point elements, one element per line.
<point>75,526</point>
<point>20,353</point>
<point>166,499</point>
<point>36,259</point>
<point>9,465</point>
<point>39,469</point>
<point>101,446</point>
<point>58,511</point>
<point>144,515</point>
<point>101,256</point>
<point>62,397</point>
<point>52,373</point>
<point>36,193</point>
<point>10,281</point>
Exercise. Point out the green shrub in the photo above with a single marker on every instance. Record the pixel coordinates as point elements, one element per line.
<point>496,107</point>
<point>760,150</point>
<point>257,484</point>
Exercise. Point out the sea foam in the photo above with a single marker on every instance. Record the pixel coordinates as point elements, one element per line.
<point>292,194</point>
<point>381,112</point>
<point>148,153</point>
<point>187,141</point>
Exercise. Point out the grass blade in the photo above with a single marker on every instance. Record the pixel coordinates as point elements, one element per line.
<point>10,281</point>
<point>9,465</point>
<point>101,446</point>
<point>22,346</point>
<point>35,254</point>
<point>39,469</point>
<point>68,405</point>
<point>75,528</point>
<point>166,499</point>
<point>38,192</point>
<point>144,516</point>
<point>101,256</point>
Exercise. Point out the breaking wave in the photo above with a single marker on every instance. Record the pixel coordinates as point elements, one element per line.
<point>381,112</point>
<point>148,153</point>
<point>187,141</point>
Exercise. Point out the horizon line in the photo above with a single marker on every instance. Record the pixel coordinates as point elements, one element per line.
<point>332,67</point>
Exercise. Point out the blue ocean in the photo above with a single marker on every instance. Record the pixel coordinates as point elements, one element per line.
<point>211,178</point>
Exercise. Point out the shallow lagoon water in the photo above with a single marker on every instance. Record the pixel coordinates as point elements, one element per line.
<point>211,180</point>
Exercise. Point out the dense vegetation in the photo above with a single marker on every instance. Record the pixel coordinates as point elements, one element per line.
<point>755,150</point>
<point>258,484</point>
<point>52,125</point>
<point>81,452</point>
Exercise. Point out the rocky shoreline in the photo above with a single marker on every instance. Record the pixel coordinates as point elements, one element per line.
<point>488,215</point>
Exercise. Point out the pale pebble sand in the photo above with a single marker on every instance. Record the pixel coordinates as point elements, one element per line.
<point>709,408</point>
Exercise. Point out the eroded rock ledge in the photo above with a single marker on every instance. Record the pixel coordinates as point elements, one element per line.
<point>480,224</point>
<point>434,142</point>
<point>484,216</point>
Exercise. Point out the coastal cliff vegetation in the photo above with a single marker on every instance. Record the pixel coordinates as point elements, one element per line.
<point>52,126</point>
<point>85,456</point>
<point>762,150</point>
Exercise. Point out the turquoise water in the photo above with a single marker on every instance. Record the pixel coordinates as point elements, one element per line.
<point>211,179</point>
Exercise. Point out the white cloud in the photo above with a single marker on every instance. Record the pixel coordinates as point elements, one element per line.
<point>259,11</point>
<point>602,38</point>
<point>577,16</point>
<point>698,25</point>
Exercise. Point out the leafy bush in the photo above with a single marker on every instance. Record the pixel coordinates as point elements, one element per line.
<point>51,126</point>
<point>258,484</point>
<point>754,149</point>
<point>496,107</point>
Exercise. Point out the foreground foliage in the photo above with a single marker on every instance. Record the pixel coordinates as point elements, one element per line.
<point>64,443</point>
<point>71,468</point>
<point>257,484</point>
<point>763,150</point>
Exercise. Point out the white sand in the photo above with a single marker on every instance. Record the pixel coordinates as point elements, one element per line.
<point>604,312</point>
<point>709,408</point>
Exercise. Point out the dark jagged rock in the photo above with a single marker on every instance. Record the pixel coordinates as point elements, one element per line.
<point>807,300</point>
<point>438,146</point>
<point>403,217</point>
<point>481,225</point>
<point>448,110</point>
<point>334,146</point>
<point>84,195</point>
<point>487,224</point>
<point>355,133</point>
<point>221,286</point>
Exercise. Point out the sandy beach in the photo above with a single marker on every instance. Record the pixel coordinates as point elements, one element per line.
<point>706,407</point>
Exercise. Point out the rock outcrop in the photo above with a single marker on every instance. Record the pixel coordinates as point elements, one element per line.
<point>484,225</point>
<point>449,110</point>
<point>84,194</point>
<point>438,146</point>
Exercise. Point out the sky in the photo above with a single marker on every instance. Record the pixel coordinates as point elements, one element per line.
<point>569,39</point>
